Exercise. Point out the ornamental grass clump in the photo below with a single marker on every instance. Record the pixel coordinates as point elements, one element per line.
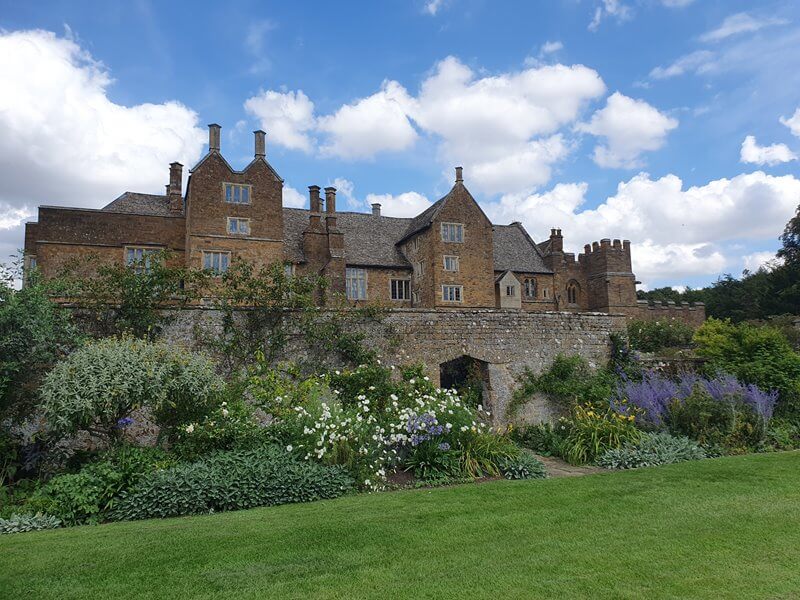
<point>594,430</point>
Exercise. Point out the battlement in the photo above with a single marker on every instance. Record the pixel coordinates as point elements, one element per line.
<point>691,314</point>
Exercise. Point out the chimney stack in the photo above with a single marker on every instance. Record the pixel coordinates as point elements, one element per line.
<point>213,137</point>
<point>315,220</point>
<point>459,174</point>
<point>376,210</point>
<point>330,207</point>
<point>556,241</point>
<point>174,188</point>
<point>261,143</point>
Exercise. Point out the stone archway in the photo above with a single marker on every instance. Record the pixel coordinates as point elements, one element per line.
<point>468,375</point>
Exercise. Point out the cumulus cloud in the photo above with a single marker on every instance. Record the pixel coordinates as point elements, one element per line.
<point>793,122</point>
<point>377,123</point>
<point>772,155</point>
<point>753,262</point>
<point>292,198</point>
<point>288,117</point>
<point>630,127</point>
<point>65,142</point>
<point>676,232</point>
<point>431,7</point>
<point>501,128</point>
<point>739,23</point>
<point>407,204</point>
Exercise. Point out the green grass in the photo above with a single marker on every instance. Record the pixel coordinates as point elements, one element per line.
<point>724,528</point>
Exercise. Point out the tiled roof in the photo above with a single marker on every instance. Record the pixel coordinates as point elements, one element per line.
<point>369,240</point>
<point>140,204</point>
<point>514,250</point>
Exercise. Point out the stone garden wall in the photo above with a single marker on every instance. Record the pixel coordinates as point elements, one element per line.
<point>506,341</point>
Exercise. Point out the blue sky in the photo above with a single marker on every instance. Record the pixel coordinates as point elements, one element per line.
<point>607,118</point>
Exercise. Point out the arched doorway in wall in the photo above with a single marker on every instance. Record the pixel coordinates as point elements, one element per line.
<point>467,375</point>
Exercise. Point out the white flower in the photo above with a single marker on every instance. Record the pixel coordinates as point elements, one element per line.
<point>190,429</point>
<point>289,448</point>
<point>337,372</point>
<point>224,412</point>
<point>426,378</point>
<point>412,381</point>
<point>393,397</point>
<point>372,388</point>
<point>367,482</point>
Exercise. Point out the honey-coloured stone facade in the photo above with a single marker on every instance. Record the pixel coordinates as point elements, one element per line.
<point>451,255</point>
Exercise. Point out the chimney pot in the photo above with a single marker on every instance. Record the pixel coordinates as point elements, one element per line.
<point>315,200</point>
<point>459,174</point>
<point>213,137</point>
<point>261,143</point>
<point>376,209</point>
<point>330,200</point>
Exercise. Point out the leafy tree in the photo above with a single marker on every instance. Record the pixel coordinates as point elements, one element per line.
<point>34,333</point>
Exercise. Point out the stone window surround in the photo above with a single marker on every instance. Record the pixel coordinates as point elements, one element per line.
<point>511,291</point>
<point>239,221</point>
<point>573,292</point>
<point>221,253</point>
<point>531,287</point>
<point>129,255</point>
<point>354,276</point>
<point>454,260</point>
<point>405,288</point>
<point>452,230</point>
<point>239,186</point>
<point>456,292</point>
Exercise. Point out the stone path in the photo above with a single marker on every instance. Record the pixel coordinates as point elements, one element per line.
<point>560,468</point>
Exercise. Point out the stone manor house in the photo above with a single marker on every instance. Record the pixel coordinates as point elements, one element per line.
<point>449,256</point>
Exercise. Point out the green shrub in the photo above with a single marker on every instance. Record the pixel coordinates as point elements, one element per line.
<point>570,380</point>
<point>651,450</point>
<point>781,434</point>
<point>594,430</point>
<point>542,438</point>
<point>757,355</point>
<point>482,454</point>
<point>86,496</point>
<point>728,424</point>
<point>652,336</point>
<point>523,466</point>
<point>231,426</point>
<point>231,481</point>
<point>97,387</point>
<point>431,463</point>
<point>23,523</point>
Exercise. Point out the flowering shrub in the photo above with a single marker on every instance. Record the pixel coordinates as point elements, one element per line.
<point>97,387</point>
<point>595,430</point>
<point>232,425</point>
<point>654,394</point>
<point>651,450</point>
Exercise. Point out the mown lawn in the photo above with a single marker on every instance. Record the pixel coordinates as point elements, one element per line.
<point>723,528</point>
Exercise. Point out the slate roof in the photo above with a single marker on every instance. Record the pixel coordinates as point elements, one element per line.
<point>140,204</point>
<point>514,250</point>
<point>369,240</point>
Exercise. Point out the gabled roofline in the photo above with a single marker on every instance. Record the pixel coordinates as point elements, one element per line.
<point>232,170</point>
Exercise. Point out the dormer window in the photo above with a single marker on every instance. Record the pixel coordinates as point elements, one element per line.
<point>237,226</point>
<point>237,193</point>
<point>453,232</point>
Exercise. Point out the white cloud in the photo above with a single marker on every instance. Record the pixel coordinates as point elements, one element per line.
<point>288,117</point>
<point>407,204</point>
<point>432,7</point>
<point>676,232</point>
<point>772,155</point>
<point>630,127</point>
<point>487,124</point>
<point>697,62</point>
<point>292,198</point>
<point>739,23</point>
<point>793,122</point>
<point>65,142</point>
<point>377,123</point>
<point>753,262</point>
<point>550,47</point>
<point>609,8</point>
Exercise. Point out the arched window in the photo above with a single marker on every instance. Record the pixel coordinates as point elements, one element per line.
<point>530,287</point>
<point>573,291</point>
